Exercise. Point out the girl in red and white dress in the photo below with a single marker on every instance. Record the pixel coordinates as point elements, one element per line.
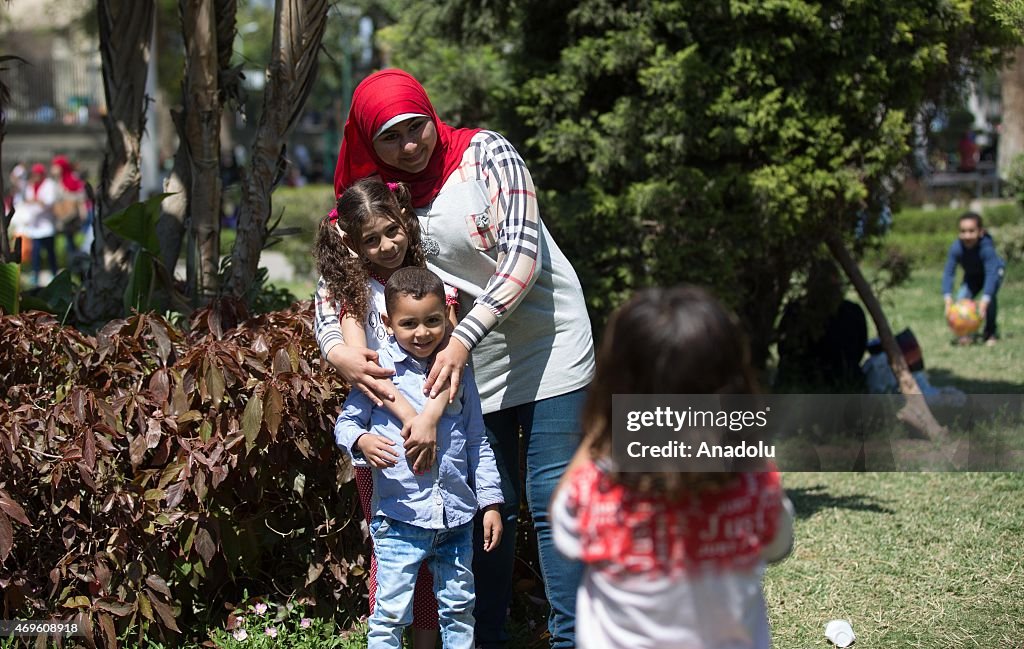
<point>372,233</point>
<point>672,560</point>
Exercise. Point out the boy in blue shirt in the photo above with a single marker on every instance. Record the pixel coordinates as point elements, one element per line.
<point>983,272</point>
<point>428,516</point>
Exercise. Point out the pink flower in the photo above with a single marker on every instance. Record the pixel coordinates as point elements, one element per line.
<point>240,635</point>
<point>305,623</point>
<point>271,631</point>
<point>261,608</point>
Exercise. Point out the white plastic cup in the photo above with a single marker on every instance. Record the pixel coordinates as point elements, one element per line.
<point>840,633</point>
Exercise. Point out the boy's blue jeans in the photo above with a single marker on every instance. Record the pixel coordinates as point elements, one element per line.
<point>972,288</point>
<point>400,549</point>
<point>550,434</point>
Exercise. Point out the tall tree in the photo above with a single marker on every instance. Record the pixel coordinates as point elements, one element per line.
<point>298,31</point>
<point>724,143</point>
<point>1011,136</point>
<point>125,30</point>
<point>209,29</point>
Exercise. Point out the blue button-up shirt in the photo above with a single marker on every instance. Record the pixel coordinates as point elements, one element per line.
<point>444,496</point>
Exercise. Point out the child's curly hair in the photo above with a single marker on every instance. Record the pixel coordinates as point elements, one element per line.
<point>344,270</point>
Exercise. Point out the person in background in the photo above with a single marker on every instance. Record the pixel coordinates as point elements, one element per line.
<point>35,214</point>
<point>69,208</point>
<point>975,251</point>
<point>822,336</point>
<point>16,192</point>
<point>968,152</point>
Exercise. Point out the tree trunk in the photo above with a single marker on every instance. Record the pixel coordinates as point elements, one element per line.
<point>209,82</point>
<point>5,215</point>
<point>915,412</point>
<point>125,29</point>
<point>1011,135</point>
<point>298,31</point>
<point>174,209</point>
<point>202,141</point>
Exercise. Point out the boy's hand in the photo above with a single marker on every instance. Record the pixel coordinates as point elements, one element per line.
<point>377,450</point>
<point>492,527</point>
<point>982,307</point>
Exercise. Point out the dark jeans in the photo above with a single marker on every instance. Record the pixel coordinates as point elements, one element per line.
<point>38,245</point>
<point>551,434</point>
<point>971,288</point>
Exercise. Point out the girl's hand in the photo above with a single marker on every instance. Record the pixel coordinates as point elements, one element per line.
<point>377,450</point>
<point>421,442</point>
<point>447,366</point>
<point>492,527</point>
<point>358,366</point>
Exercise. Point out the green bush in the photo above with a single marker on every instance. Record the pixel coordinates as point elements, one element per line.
<point>147,477</point>
<point>923,236</point>
<point>301,208</point>
<point>1015,179</point>
<point>1004,214</point>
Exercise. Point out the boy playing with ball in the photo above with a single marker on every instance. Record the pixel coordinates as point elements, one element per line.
<point>975,251</point>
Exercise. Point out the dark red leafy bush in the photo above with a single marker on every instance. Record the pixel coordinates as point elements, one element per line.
<point>148,475</point>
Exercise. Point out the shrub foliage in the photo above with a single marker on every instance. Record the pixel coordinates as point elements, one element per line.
<point>146,473</point>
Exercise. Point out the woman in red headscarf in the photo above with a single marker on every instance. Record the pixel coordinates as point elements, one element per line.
<point>523,316</point>
<point>70,205</point>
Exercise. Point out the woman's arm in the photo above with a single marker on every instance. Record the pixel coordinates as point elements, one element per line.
<point>517,221</point>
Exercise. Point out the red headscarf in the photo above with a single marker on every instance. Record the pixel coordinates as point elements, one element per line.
<point>38,170</point>
<point>68,177</point>
<point>378,98</point>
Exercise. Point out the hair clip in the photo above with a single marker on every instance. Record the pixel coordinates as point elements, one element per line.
<point>393,186</point>
<point>332,216</point>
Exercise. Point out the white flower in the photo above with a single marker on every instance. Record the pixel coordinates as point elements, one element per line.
<point>305,623</point>
<point>240,635</point>
<point>271,631</point>
<point>261,608</point>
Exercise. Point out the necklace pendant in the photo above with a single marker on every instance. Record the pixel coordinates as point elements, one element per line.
<point>430,246</point>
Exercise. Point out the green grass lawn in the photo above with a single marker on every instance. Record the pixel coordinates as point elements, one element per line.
<point>911,560</point>
<point>975,369</point>
<point>914,559</point>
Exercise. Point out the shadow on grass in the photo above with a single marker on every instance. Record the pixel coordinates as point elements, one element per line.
<point>808,501</point>
<point>973,386</point>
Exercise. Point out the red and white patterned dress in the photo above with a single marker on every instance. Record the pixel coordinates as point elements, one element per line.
<point>671,574</point>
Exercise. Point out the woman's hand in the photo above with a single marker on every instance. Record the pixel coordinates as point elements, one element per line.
<point>358,366</point>
<point>448,366</point>
<point>377,450</point>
